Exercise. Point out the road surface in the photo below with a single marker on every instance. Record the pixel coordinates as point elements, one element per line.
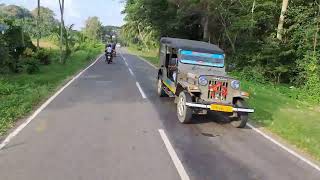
<point>109,124</point>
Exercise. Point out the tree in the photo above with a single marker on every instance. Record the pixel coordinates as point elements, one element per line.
<point>284,8</point>
<point>62,27</point>
<point>93,28</point>
<point>47,21</point>
<point>38,19</point>
<point>108,31</point>
<point>14,12</point>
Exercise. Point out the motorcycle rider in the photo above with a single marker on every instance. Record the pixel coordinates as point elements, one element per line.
<point>114,48</point>
<point>108,51</point>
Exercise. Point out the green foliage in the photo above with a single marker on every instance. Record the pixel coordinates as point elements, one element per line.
<point>47,22</point>
<point>13,43</point>
<point>31,65</point>
<point>42,55</point>
<point>93,28</point>
<point>14,12</point>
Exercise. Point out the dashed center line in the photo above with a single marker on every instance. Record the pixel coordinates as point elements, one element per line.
<point>131,71</point>
<point>141,91</point>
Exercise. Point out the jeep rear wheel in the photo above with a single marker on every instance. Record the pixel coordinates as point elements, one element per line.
<point>183,111</point>
<point>241,117</point>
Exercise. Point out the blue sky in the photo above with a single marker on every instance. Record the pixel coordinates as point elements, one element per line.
<point>77,11</point>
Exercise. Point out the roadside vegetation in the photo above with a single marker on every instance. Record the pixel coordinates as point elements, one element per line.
<point>37,57</point>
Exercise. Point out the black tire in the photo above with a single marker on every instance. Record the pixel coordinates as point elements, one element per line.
<point>160,91</point>
<point>184,112</point>
<point>242,118</point>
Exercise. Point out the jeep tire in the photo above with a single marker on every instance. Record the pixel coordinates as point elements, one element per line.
<point>242,117</point>
<point>183,111</point>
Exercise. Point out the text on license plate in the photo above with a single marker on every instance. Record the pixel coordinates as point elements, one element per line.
<point>221,108</point>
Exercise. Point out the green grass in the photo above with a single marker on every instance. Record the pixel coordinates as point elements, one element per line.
<point>20,93</point>
<point>277,110</point>
<point>296,121</point>
<point>151,56</point>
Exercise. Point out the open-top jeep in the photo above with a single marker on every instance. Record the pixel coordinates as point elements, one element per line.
<point>194,73</point>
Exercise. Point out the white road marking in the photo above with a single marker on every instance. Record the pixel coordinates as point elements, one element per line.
<point>285,148</point>
<point>141,91</point>
<point>131,71</point>
<point>292,152</point>
<point>43,106</point>
<point>174,157</point>
<point>124,59</point>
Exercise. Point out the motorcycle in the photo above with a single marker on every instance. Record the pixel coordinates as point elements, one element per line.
<point>108,58</point>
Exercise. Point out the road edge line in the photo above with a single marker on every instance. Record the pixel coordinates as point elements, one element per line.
<point>174,157</point>
<point>287,149</point>
<point>290,151</point>
<point>43,106</point>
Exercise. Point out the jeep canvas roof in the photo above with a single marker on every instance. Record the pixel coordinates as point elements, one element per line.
<point>197,46</point>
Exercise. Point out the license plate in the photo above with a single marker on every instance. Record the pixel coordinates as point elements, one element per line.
<point>221,108</point>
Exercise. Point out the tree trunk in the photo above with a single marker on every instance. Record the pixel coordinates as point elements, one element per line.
<point>232,43</point>
<point>252,18</point>
<point>315,40</point>
<point>205,20</point>
<point>38,19</point>
<point>284,8</point>
<point>61,5</point>
<point>206,28</point>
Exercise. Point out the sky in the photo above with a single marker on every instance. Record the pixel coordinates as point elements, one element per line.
<point>77,11</point>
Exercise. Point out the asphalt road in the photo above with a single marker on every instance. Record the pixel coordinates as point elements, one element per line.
<point>102,128</point>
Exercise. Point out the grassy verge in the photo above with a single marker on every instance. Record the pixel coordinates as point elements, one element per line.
<point>276,110</point>
<point>20,93</point>
<point>151,56</point>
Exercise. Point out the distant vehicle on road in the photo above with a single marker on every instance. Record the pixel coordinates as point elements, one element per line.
<point>118,45</point>
<point>193,72</point>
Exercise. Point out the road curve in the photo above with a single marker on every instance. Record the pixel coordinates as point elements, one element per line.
<point>106,124</point>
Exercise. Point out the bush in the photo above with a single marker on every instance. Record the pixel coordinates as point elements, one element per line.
<point>43,56</point>
<point>31,65</point>
<point>28,52</point>
<point>4,56</point>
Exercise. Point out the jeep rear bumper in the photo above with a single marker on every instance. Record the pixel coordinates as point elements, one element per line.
<point>203,106</point>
